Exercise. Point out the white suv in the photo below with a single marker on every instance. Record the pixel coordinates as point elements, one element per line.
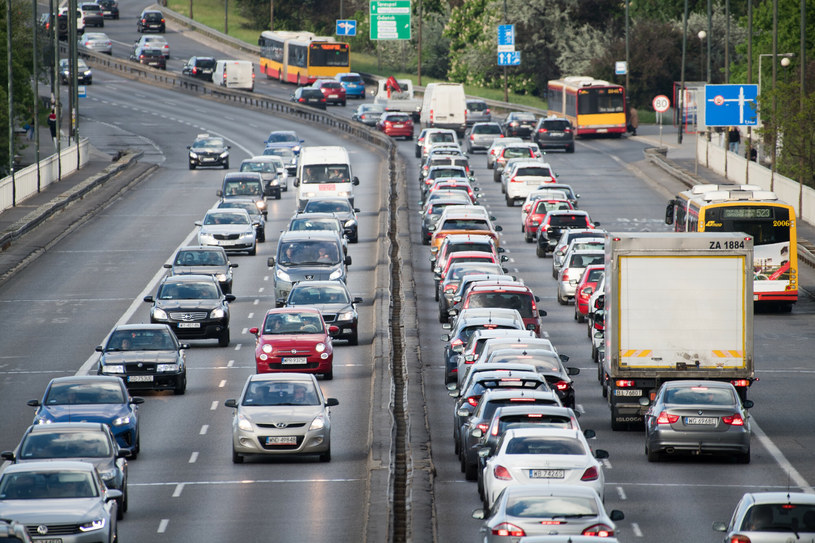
<point>573,267</point>
<point>524,177</point>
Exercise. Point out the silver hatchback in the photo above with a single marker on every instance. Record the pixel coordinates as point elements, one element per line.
<point>481,136</point>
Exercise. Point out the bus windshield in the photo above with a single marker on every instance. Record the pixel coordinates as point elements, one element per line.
<point>766,225</point>
<point>598,100</point>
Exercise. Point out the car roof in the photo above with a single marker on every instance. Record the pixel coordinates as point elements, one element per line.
<point>525,409</point>
<point>142,326</point>
<point>288,310</point>
<point>494,313</point>
<point>306,235</point>
<point>202,248</point>
<point>547,432</point>
<point>288,376</point>
<point>66,427</point>
<point>486,333</point>
<point>228,210</point>
<point>320,283</point>
<point>189,278</point>
<point>243,176</point>
<point>495,287</point>
<point>89,378</point>
<point>55,465</point>
<point>781,497</point>
<point>503,394</point>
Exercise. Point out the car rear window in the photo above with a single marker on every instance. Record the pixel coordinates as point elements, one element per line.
<point>437,137</point>
<point>487,129</point>
<point>528,420</point>
<point>516,152</point>
<point>548,445</point>
<point>557,125</point>
<point>545,206</point>
<point>510,300</point>
<point>205,63</point>
<point>779,518</point>
<point>581,261</point>
<point>351,79</point>
<point>465,224</point>
<point>397,118</point>
<point>538,171</point>
<point>477,106</point>
<point>568,220</point>
<point>524,116</point>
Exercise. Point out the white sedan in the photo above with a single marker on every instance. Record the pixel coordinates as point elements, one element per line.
<point>96,41</point>
<point>155,42</point>
<point>538,455</point>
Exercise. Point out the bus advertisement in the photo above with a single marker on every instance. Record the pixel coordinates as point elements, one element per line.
<point>592,106</point>
<point>302,57</point>
<point>759,214</point>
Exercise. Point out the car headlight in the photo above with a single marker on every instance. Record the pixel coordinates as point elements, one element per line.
<point>121,421</point>
<point>346,316</point>
<point>336,274</point>
<point>311,194</point>
<point>193,155</point>
<point>261,204</point>
<point>87,73</point>
<point>113,368</point>
<point>224,154</point>
<point>217,313</point>
<point>320,347</point>
<point>42,419</point>
<point>108,475</point>
<point>167,367</point>
<point>249,234</point>
<point>221,277</point>
<point>203,237</point>
<point>344,194</point>
<point>92,526</point>
<point>267,348</point>
<point>317,424</point>
<point>349,223</point>
<point>283,276</point>
<point>159,314</point>
<point>244,424</point>
<point>296,149</point>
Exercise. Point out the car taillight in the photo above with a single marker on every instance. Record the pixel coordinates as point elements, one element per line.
<point>388,123</point>
<point>562,385</point>
<point>473,400</point>
<point>456,342</point>
<point>505,529</point>
<point>162,20</point>
<point>483,426</point>
<point>566,274</point>
<point>599,530</point>
<point>542,131</point>
<point>734,420</point>
<point>472,137</point>
<point>567,130</point>
<point>591,474</point>
<point>624,383</point>
<point>502,473</point>
<point>513,180</point>
<point>740,383</point>
<point>739,539</point>
<point>487,112</point>
<point>301,100</point>
<point>431,116</point>
<point>141,57</point>
<point>667,418</point>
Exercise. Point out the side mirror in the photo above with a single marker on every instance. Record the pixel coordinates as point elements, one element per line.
<point>356,210</point>
<point>669,213</point>
<point>112,494</point>
<point>447,326</point>
<point>270,262</point>
<point>572,371</point>
<point>356,300</point>
<point>501,250</point>
<point>331,402</point>
<point>333,330</point>
<point>477,432</point>
<point>616,515</point>
<point>504,258</point>
<point>347,260</point>
<point>124,453</point>
<point>355,180</point>
<point>231,403</point>
<point>168,266</point>
<point>189,147</point>
<point>296,182</point>
<point>198,223</point>
<point>600,454</point>
<point>479,514</point>
<point>99,349</point>
<point>254,331</point>
<point>7,455</point>
<point>229,297</point>
<point>33,403</point>
<point>463,412</point>
<point>537,299</point>
<point>231,265</point>
<point>499,228</point>
<point>148,299</point>
<point>747,404</point>
<point>564,358</point>
<point>219,193</point>
<point>445,337</point>
<point>719,526</point>
<point>184,347</point>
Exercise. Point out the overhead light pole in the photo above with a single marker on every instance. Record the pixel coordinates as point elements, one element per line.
<point>680,102</point>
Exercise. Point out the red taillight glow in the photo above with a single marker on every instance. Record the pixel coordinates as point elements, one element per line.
<point>624,383</point>
<point>739,539</point>
<point>667,418</point>
<point>505,529</point>
<point>599,530</point>
<point>734,420</point>
<point>562,385</point>
<point>456,342</point>
<point>740,383</point>
<point>483,426</point>
<point>542,131</point>
<point>514,180</point>
<point>500,472</point>
<point>473,400</point>
<point>590,474</point>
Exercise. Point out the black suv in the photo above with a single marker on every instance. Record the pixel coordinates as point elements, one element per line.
<point>194,306</point>
<point>309,96</point>
<point>519,124</point>
<point>199,68</point>
<point>152,20</point>
<point>554,133</point>
<point>110,8</point>
<point>149,57</point>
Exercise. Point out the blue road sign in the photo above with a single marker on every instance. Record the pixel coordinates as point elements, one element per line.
<point>506,34</point>
<point>346,27</point>
<point>731,105</point>
<point>512,58</point>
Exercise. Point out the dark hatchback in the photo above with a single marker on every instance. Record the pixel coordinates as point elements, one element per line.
<point>193,306</point>
<point>152,20</point>
<point>335,303</point>
<point>309,96</point>
<point>519,124</point>
<point>554,133</point>
<point>197,259</point>
<point>199,68</point>
<point>145,356</point>
<point>149,57</point>
<point>110,8</point>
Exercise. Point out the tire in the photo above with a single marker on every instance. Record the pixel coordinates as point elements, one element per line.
<point>226,165</point>
<point>102,24</point>
<point>236,458</point>
<point>418,153</point>
<point>540,252</point>
<point>554,271</point>
<point>223,339</point>
<point>114,537</point>
<point>254,250</point>
<point>329,375</point>
<point>262,237</point>
<point>510,201</point>
<point>181,386</point>
<point>470,470</point>
<point>570,149</point>
<point>743,458</point>
<point>343,103</point>
<point>528,238</point>
<point>653,456</point>
<point>124,498</point>
<point>561,300</point>
<point>354,339</point>
<point>120,513</point>
<point>326,456</point>
<point>578,316</point>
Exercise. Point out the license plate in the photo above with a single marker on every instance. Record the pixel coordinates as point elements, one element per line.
<point>333,96</point>
<point>281,440</point>
<point>626,392</point>
<point>328,187</point>
<point>294,360</point>
<point>399,126</point>
<point>189,325</point>
<point>52,540</point>
<point>546,474</point>
<point>139,378</point>
<point>602,130</point>
<point>701,421</point>
<point>556,134</point>
<point>206,159</point>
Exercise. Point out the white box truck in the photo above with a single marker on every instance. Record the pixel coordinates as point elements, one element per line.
<point>677,306</point>
<point>445,106</point>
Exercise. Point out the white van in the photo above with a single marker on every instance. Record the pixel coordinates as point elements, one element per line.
<point>322,172</point>
<point>234,74</point>
<point>445,106</point>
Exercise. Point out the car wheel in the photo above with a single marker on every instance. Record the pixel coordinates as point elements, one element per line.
<point>570,149</point>
<point>510,202</point>
<point>418,153</point>
<point>120,512</point>
<point>528,238</point>
<point>226,165</point>
<point>561,300</point>
<point>343,103</point>
<point>329,375</point>
<point>326,456</point>
<point>540,252</point>
<point>578,316</point>
<point>743,458</point>
<point>236,458</point>
<point>180,386</point>
<point>254,250</point>
<point>192,166</point>
<point>470,470</point>
<point>114,536</point>
<point>278,196</point>
<point>354,339</point>
<point>223,339</point>
<point>653,456</point>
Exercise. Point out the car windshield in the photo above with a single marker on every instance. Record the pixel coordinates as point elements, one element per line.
<point>188,291</point>
<point>293,323</point>
<point>465,224</point>
<point>262,393</point>
<point>65,445</point>
<point>200,258</point>
<point>257,166</point>
<point>557,125</point>
<point>84,393</point>
<point>477,106</point>
<point>783,517</point>
<point>314,224</point>
<point>284,153</point>
<point>242,188</point>
<point>551,507</point>
<point>309,253</point>
<point>699,395</point>
<point>41,485</point>
<point>141,340</point>
<point>318,295</point>
<point>328,206</point>
<point>281,137</point>
<point>326,173</point>
<point>510,300</point>
<point>523,116</point>
<point>437,173</point>
<point>544,445</point>
<point>206,142</point>
<point>226,218</point>
<point>517,152</point>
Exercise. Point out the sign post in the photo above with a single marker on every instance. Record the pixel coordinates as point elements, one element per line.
<point>661,104</point>
<point>507,55</point>
<point>390,19</point>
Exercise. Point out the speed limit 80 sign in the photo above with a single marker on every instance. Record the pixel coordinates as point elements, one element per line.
<point>661,103</point>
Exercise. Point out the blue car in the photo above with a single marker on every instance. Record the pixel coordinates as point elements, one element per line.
<point>284,139</point>
<point>353,84</point>
<point>92,398</point>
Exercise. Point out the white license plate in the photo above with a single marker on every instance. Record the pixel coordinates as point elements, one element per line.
<point>707,421</point>
<point>546,474</point>
<point>558,134</point>
<point>189,325</point>
<point>281,440</point>
<point>626,392</point>
<point>333,96</point>
<point>295,360</point>
<point>52,540</point>
<point>206,159</point>
<point>399,125</point>
<point>139,378</point>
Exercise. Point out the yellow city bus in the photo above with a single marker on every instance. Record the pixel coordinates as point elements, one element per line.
<point>759,214</point>
<point>592,106</point>
<point>302,57</point>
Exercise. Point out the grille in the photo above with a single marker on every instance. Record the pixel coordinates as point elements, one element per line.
<point>188,315</point>
<point>226,236</point>
<point>329,317</point>
<point>292,425</point>
<point>146,367</point>
<point>53,529</point>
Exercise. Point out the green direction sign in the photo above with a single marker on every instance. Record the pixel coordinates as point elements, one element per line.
<point>390,19</point>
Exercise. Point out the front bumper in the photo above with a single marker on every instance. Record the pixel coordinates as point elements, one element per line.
<point>255,442</point>
<point>314,364</point>
<point>210,329</point>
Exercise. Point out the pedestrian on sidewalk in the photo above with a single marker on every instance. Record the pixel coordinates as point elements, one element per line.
<point>633,120</point>
<point>733,139</point>
<point>52,124</point>
<point>29,130</point>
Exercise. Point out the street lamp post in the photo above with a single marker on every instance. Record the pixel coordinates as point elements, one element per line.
<point>701,35</point>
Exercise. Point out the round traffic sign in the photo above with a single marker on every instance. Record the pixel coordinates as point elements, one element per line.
<point>718,99</point>
<point>661,103</point>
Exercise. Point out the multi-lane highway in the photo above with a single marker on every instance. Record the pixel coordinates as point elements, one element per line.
<point>184,486</point>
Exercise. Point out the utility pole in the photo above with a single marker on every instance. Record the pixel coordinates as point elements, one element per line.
<point>35,117</point>
<point>680,103</point>
<point>419,59</point>
<point>775,105</point>
<point>627,69</point>
<point>10,105</point>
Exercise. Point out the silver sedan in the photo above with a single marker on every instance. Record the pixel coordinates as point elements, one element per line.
<point>98,42</point>
<point>281,414</point>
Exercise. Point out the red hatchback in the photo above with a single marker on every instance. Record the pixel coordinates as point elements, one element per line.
<point>396,124</point>
<point>294,339</point>
<point>333,91</point>
<point>495,295</point>
<point>538,211</point>
<point>585,288</point>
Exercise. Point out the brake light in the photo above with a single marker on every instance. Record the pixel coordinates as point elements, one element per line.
<point>506,529</point>
<point>734,420</point>
<point>388,123</point>
<point>472,137</point>
<point>456,342</point>
<point>562,385</point>
<point>488,111</point>
<point>301,100</point>
<point>740,383</point>
<point>739,539</point>
<point>502,473</point>
<point>599,530</point>
<point>483,426</point>
<point>567,130</point>
<point>431,116</point>
<point>624,383</point>
<point>591,474</point>
<point>667,418</point>
<point>542,130</point>
<point>513,180</point>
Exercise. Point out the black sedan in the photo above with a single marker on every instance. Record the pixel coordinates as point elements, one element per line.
<point>194,306</point>
<point>309,96</point>
<point>208,150</point>
<point>145,356</point>
<point>335,303</point>
<point>519,124</point>
<point>341,207</point>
